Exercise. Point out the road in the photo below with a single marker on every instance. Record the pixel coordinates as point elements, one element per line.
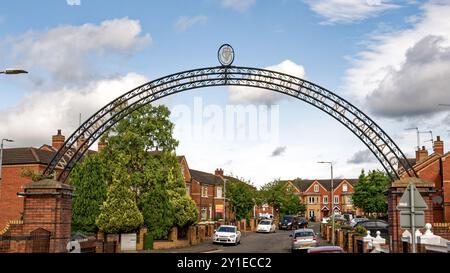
<point>251,242</point>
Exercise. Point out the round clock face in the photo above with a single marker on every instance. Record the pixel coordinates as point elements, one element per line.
<point>226,55</point>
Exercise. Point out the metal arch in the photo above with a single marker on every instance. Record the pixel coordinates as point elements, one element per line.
<point>378,142</point>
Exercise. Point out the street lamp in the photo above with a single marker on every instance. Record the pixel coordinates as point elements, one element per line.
<point>13,71</point>
<point>1,155</point>
<point>225,201</point>
<point>332,199</point>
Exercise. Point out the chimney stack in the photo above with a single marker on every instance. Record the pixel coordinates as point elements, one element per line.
<point>421,154</point>
<point>438,146</point>
<point>219,172</point>
<point>58,140</point>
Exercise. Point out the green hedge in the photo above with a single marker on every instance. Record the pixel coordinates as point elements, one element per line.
<point>148,241</point>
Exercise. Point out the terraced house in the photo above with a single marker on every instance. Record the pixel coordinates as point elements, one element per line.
<point>316,195</point>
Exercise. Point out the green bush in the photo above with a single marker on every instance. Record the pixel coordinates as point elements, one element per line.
<point>360,230</point>
<point>148,241</point>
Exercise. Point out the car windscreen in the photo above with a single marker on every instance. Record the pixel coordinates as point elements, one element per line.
<point>287,218</point>
<point>304,234</point>
<point>264,223</point>
<point>227,229</point>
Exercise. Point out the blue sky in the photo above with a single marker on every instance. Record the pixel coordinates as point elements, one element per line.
<point>82,54</point>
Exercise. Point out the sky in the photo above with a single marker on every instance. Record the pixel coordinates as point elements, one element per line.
<point>391,59</point>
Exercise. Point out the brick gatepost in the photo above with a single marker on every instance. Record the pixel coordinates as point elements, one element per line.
<point>395,192</point>
<point>47,208</point>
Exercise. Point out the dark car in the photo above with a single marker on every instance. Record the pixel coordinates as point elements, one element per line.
<point>302,222</point>
<point>375,225</point>
<point>288,222</point>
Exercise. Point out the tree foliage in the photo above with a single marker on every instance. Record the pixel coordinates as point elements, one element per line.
<point>141,144</point>
<point>282,198</point>
<point>369,192</point>
<point>89,179</point>
<point>119,213</point>
<point>241,197</point>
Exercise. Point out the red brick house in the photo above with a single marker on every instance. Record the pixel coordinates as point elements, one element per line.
<point>316,195</point>
<point>435,168</point>
<point>15,162</point>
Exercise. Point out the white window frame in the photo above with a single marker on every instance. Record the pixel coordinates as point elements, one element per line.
<point>345,188</point>
<point>217,192</point>
<point>204,191</point>
<point>316,188</point>
<point>204,212</point>
<point>325,199</point>
<point>336,197</point>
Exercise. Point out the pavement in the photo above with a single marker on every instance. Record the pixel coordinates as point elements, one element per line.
<point>251,242</point>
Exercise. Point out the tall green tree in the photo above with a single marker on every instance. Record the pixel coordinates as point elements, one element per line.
<point>241,197</point>
<point>89,179</point>
<point>369,192</point>
<point>119,213</point>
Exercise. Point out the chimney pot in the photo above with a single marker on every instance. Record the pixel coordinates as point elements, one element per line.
<point>58,140</point>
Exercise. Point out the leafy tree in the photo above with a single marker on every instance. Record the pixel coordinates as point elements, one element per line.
<point>369,192</point>
<point>89,179</point>
<point>282,198</point>
<point>241,197</point>
<point>119,213</point>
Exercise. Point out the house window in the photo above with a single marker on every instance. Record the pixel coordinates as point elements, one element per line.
<point>344,187</point>
<point>203,213</point>
<point>336,199</point>
<point>219,192</point>
<point>188,190</point>
<point>316,188</point>
<point>204,191</point>
<point>325,199</point>
<point>349,201</point>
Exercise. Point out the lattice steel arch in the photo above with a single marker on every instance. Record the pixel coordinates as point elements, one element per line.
<point>377,141</point>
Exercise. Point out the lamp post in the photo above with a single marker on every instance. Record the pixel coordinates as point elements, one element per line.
<point>332,199</point>
<point>1,154</point>
<point>13,71</point>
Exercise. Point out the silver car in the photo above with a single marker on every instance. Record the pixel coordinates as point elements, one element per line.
<point>303,239</point>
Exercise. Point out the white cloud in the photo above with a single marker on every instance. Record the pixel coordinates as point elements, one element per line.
<point>238,94</point>
<point>405,73</point>
<point>185,22</point>
<point>239,5</point>
<point>39,114</point>
<point>69,53</point>
<point>73,2</point>
<point>347,11</point>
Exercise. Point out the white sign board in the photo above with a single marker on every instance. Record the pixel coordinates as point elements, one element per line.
<point>128,242</point>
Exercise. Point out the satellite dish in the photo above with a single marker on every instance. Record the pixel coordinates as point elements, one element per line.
<point>73,247</point>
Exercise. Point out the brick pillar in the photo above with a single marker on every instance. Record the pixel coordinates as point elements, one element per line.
<point>395,192</point>
<point>48,206</point>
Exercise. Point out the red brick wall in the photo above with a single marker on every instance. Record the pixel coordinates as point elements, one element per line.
<point>12,205</point>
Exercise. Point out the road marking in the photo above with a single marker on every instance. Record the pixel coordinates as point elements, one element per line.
<point>213,251</point>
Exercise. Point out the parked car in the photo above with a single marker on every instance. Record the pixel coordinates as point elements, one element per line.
<point>375,225</point>
<point>303,239</point>
<point>302,222</point>
<point>226,234</point>
<point>292,222</point>
<point>326,249</point>
<point>266,226</point>
<point>357,220</point>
